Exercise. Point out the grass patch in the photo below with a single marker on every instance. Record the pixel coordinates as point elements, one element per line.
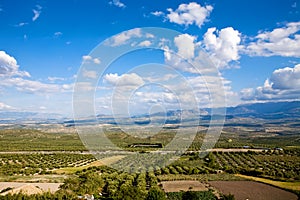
<point>200,177</point>
<point>101,162</point>
<point>53,178</point>
<point>286,185</point>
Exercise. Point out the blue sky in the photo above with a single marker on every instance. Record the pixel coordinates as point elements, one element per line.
<point>254,44</point>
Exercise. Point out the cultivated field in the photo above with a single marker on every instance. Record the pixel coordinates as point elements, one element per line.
<point>33,157</point>
<point>252,190</point>
<point>177,186</point>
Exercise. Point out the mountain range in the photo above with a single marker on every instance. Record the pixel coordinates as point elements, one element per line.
<point>267,111</point>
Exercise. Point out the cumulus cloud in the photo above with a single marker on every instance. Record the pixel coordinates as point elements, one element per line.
<point>90,74</point>
<point>188,14</point>
<point>284,84</point>
<point>90,59</point>
<point>186,55</point>
<point>185,45</point>
<point>145,43</point>
<point>9,66</point>
<point>286,78</point>
<point>223,46</point>
<point>158,13</point>
<point>124,80</point>
<point>117,3</point>
<point>284,41</point>
<point>12,77</point>
<point>178,62</point>
<point>123,37</point>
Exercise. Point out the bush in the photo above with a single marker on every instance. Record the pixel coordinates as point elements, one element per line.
<point>227,197</point>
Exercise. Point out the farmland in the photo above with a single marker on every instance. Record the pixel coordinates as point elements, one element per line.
<point>38,156</point>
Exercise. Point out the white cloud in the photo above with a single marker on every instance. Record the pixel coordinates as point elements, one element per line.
<point>123,37</point>
<point>223,46</point>
<point>177,62</point>
<point>58,34</point>
<point>284,84</point>
<point>54,79</point>
<point>286,78</point>
<point>189,57</point>
<point>96,60</point>
<point>30,86</point>
<point>117,3</point>
<point>4,106</point>
<point>89,59</point>
<point>83,87</point>
<point>124,80</point>
<point>283,41</point>
<point>9,66</point>
<point>36,14</point>
<point>21,24</point>
<point>149,35</point>
<point>12,77</point>
<point>185,45</point>
<point>86,58</point>
<point>158,13</point>
<point>162,77</point>
<point>213,89</point>
<point>90,74</point>
<point>188,14</point>
<point>145,43</point>
<point>222,49</point>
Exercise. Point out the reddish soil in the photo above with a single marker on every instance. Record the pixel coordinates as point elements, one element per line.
<point>243,190</point>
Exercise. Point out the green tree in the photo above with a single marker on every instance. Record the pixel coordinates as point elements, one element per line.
<point>155,193</point>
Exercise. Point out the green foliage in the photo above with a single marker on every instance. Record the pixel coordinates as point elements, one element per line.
<point>227,197</point>
<point>191,195</point>
<point>45,196</point>
<point>86,183</point>
<point>37,163</point>
<point>155,193</point>
<point>34,140</point>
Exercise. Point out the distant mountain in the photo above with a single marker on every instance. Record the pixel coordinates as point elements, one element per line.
<point>266,110</point>
<point>269,110</point>
<point>15,117</point>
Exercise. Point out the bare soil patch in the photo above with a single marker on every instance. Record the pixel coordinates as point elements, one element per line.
<point>17,186</point>
<point>252,190</point>
<point>177,186</point>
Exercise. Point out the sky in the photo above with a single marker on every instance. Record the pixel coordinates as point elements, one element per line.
<point>47,46</point>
